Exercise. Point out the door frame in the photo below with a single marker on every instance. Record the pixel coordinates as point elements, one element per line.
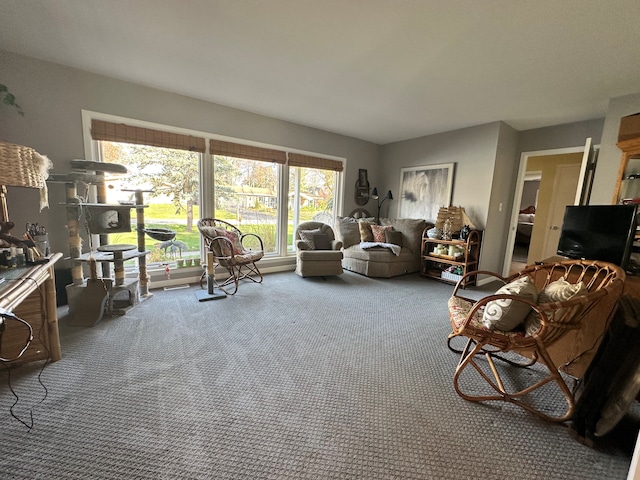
<point>515,210</point>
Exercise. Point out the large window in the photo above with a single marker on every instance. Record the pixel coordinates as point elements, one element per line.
<point>312,194</point>
<point>246,195</point>
<point>267,191</point>
<point>169,179</point>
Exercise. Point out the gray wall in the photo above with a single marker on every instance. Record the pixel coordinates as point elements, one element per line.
<point>52,97</point>
<point>560,136</point>
<point>473,150</point>
<point>505,171</point>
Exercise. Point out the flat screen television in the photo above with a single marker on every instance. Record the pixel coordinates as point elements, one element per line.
<point>598,232</point>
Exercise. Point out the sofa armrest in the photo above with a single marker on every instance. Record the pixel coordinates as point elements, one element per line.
<point>336,244</point>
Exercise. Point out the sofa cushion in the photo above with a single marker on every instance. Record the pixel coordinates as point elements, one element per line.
<point>377,254</point>
<point>308,237</point>
<point>394,237</point>
<point>411,229</point>
<point>379,232</point>
<point>366,235</point>
<point>322,241</point>
<point>347,231</point>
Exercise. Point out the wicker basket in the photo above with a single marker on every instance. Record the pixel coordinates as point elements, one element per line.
<point>21,166</point>
<point>458,218</point>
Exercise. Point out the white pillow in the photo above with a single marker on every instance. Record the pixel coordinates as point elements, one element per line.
<point>507,314</point>
<point>557,291</point>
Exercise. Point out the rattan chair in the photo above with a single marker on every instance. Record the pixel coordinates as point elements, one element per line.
<point>228,245</point>
<point>562,337</point>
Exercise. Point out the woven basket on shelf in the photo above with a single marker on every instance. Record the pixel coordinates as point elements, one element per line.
<point>456,215</point>
<point>21,166</point>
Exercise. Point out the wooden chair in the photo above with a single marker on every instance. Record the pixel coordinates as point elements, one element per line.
<point>227,243</point>
<point>360,213</point>
<point>563,336</point>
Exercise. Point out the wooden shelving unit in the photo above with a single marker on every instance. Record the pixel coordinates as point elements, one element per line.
<point>433,264</point>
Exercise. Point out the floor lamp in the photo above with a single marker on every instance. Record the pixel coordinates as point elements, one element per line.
<point>374,194</point>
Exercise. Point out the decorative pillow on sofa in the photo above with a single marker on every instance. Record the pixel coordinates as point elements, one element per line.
<point>557,291</point>
<point>507,314</point>
<point>379,232</point>
<point>394,237</point>
<point>347,231</point>
<point>308,237</point>
<point>366,235</point>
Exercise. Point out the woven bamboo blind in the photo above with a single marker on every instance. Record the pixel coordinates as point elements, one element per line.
<point>297,160</point>
<point>120,132</point>
<point>238,150</point>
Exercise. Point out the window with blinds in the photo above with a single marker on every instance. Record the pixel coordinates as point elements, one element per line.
<point>266,191</point>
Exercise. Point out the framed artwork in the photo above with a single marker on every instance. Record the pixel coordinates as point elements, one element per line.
<point>423,190</point>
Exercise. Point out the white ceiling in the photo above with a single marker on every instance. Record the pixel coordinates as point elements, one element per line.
<point>378,70</point>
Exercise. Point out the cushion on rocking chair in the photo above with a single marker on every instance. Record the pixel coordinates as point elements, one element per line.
<point>507,314</point>
<point>459,309</point>
<point>557,291</point>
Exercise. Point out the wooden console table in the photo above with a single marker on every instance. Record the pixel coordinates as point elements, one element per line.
<point>30,294</point>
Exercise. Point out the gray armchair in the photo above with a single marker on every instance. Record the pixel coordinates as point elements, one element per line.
<point>318,253</point>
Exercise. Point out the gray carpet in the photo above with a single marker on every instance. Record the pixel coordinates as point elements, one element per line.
<point>347,378</point>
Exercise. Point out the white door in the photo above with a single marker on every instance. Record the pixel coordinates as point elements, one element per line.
<point>580,192</point>
<point>565,187</point>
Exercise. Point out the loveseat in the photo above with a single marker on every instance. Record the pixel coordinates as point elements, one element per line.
<point>399,255</point>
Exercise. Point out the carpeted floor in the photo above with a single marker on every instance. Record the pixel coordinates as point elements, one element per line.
<point>343,378</point>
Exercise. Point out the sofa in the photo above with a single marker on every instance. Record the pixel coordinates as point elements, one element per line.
<point>394,252</point>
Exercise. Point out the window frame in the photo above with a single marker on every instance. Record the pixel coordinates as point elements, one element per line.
<point>207,195</point>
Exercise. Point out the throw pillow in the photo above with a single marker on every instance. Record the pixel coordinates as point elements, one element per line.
<point>394,237</point>
<point>234,238</point>
<point>365,231</point>
<point>322,242</point>
<point>307,236</point>
<point>507,314</point>
<point>556,291</point>
<point>379,232</point>
<point>347,231</point>
<point>223,247</point>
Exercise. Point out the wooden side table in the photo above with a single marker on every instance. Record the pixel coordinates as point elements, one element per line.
<point>30,293</point>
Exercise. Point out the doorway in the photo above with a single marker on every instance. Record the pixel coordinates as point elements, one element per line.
<point>532,226</point>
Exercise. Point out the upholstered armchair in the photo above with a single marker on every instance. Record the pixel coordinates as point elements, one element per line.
<point>318,253</point>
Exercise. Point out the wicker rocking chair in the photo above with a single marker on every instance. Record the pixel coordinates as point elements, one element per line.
<point>562,335</point>
<point>227,243</point>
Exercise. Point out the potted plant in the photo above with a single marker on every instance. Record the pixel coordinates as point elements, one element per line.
<point>9,98</point>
